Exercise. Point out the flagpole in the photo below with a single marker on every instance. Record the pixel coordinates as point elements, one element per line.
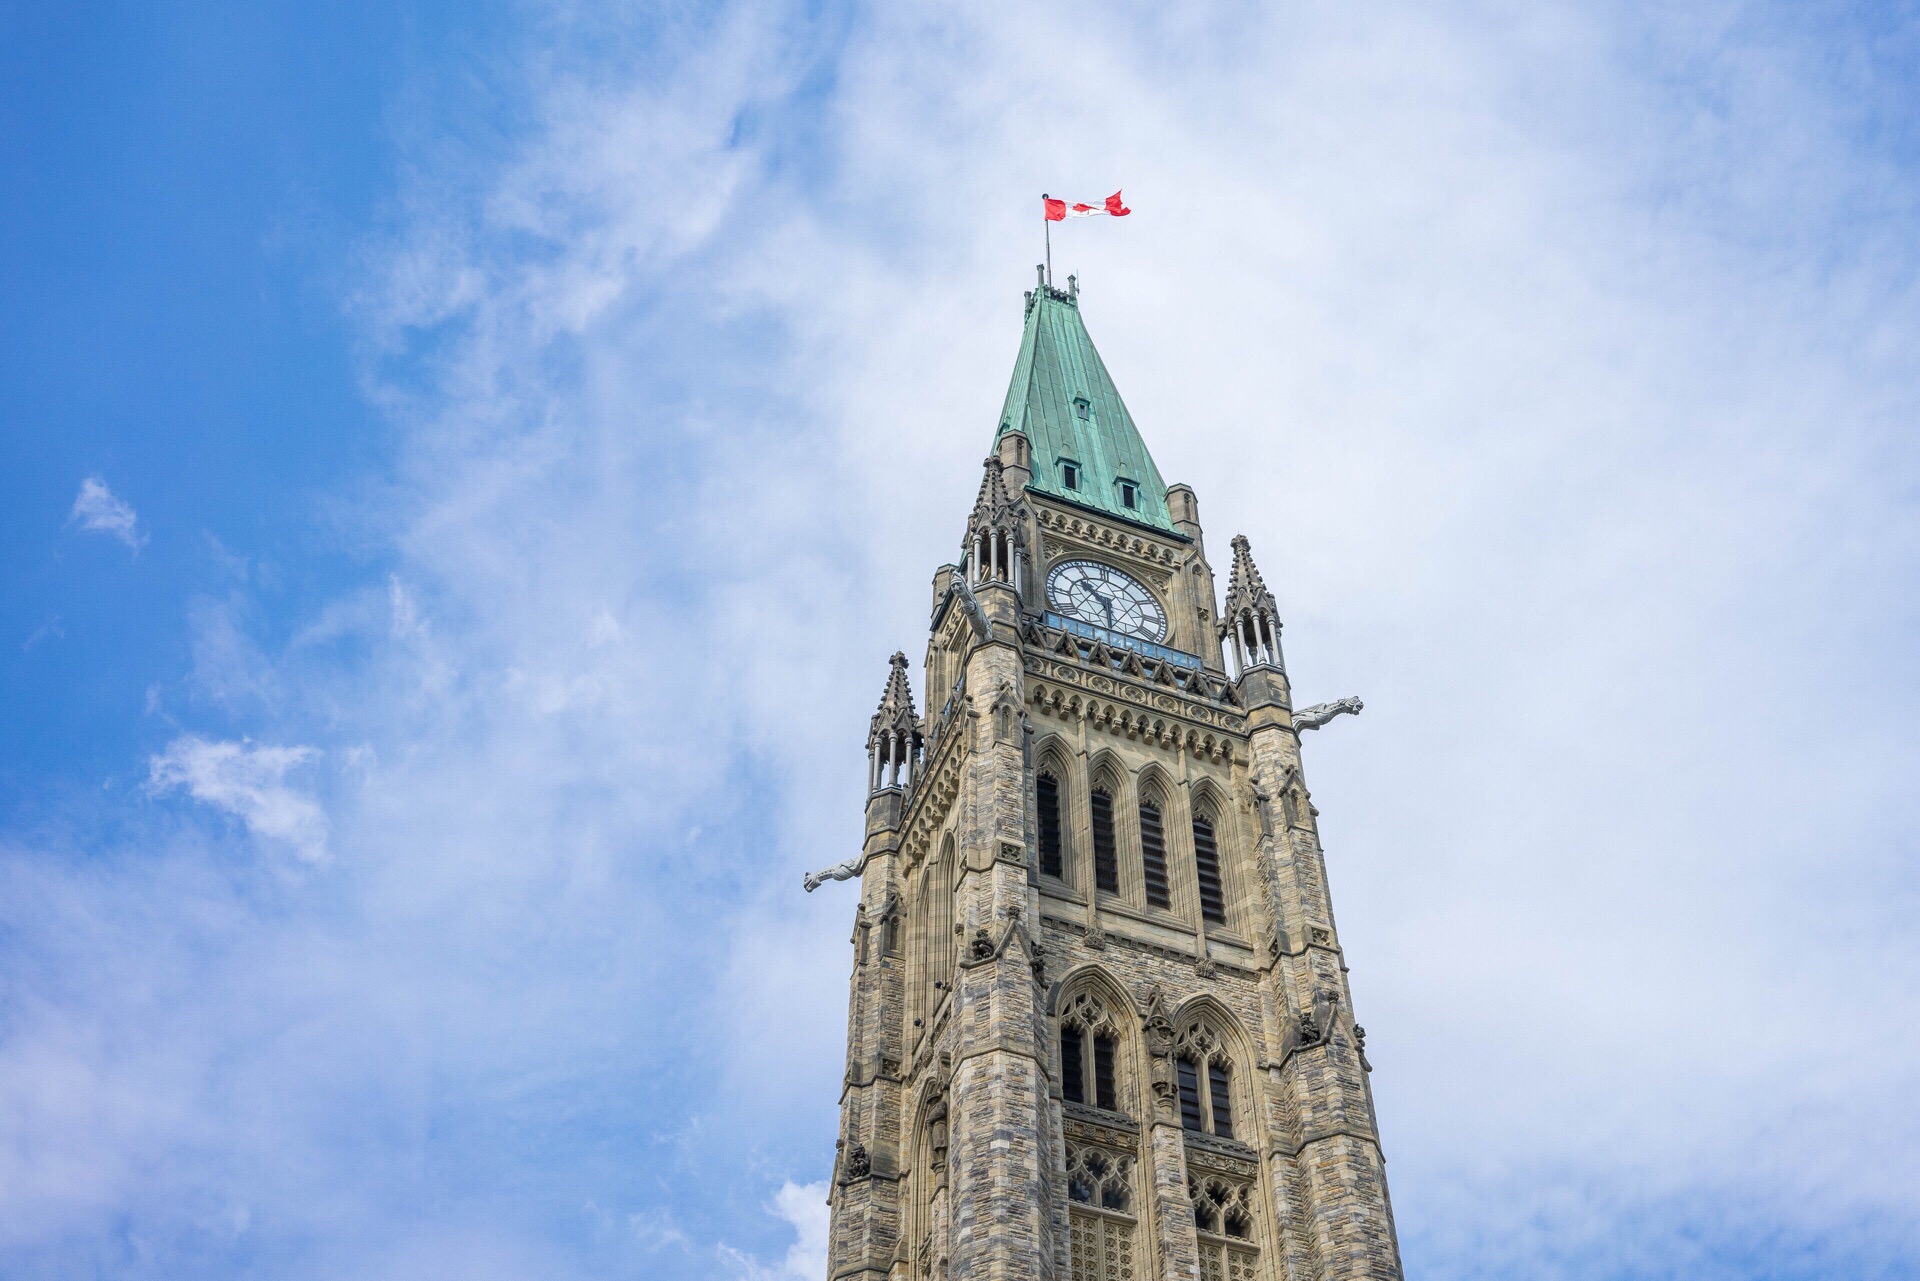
<point>1047,225</point>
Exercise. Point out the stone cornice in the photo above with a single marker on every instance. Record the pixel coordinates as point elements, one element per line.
<point>1134,710</point>
<point>1075,524</point>
<point>1165,953</point>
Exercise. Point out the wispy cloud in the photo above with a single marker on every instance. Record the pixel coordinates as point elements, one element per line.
<point>49,630</point>
<point>97,510</point>
<point>250,783</point>
<point>1555,439</point>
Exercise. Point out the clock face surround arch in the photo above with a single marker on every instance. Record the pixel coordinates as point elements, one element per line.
<point>1092,592</point>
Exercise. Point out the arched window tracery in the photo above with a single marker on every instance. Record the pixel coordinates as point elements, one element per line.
<point>1222,1184</point>
<point>1223,1219</point>
<point>1205,1072</point>
<point>1102,1153</point>
<point>1089,1053</point>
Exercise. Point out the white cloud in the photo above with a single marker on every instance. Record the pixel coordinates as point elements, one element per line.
<point>99,511</point>
<point>803,1207</point>
<point>248,782</point>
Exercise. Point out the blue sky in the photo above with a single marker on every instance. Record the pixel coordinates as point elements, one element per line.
<point>467,465</point>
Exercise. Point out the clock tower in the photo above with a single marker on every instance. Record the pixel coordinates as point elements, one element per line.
<point>1099,1026</point>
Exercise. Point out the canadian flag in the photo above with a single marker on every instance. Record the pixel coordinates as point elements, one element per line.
<point>1060,210</point>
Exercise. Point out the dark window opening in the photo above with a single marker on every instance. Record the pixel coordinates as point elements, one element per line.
<point>1153,856</point>
<point>1206,861</point>
<point>1082,407</point>
<point>1238,1223</point>
<point>1106,863</point>
<point>1103,1095</point>
<point>1190,1115</point>
<point>1113,1196</point>
<point>1222,1100</point>
<point>1070,475</point>
<point>1203,1217</point>
<point>1079,1187</point>
<point>1047,793</point>
<point>1128,494</point>
<point>1072,1080</point>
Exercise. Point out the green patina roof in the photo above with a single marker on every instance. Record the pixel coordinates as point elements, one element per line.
<point>1058,367</point>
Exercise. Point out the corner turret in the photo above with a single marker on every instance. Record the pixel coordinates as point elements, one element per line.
<point>895,737</point>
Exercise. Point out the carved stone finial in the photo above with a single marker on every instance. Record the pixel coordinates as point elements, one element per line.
<point>1246,590</point>
<point>997,507</point>
<point>896,700</point>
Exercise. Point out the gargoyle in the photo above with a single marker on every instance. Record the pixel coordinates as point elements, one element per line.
<point>969,605</point>
<point>1320,713</point>
<point>838,872</point>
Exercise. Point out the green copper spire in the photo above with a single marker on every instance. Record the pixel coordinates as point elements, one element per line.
<point>1086,449</point>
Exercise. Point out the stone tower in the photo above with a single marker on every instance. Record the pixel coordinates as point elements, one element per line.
<point>1099,1026</point>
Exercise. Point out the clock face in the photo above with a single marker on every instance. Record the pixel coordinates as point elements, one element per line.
<point>1102,595</point>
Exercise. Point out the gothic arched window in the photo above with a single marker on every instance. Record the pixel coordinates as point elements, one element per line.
<point>1206,1082</point>
<point>1046,793</point>
<point>1101,1153</point>
<point>1206,866</point>
<point>1088,1037</point>
<point>1153,856</point>
<point>1223,1203</point>
<point>932,961</point>
<point>1106,857</point>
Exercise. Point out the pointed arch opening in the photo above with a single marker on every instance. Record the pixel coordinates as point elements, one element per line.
<point>1052,803</point>
<point>1102,809</point>
<point>1102,1149</point>
<point>1153,818</point>
<point>1209,865</point>
<point>1216,1104</point>
<point>933,936</point>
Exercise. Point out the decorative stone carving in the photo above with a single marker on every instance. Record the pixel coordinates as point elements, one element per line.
<point>1360,1047</point>
<point>1320,713</point>
<point>1205,968</point>
<point>838,872</point>
<point>981,948</point>
<point>859,1165</point>
<point>1316,1023</point>
<point>1159,1040</point>
<point>1261,804</point>
<point>1096,939</point>
<point>970,605</point>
